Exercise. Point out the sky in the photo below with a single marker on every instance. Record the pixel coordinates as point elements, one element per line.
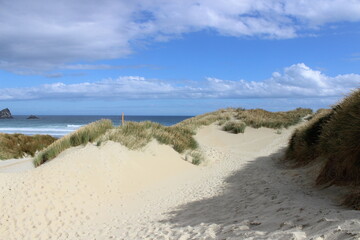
<point>176,57</point>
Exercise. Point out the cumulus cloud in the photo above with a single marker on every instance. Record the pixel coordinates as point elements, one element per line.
<point>296,81</point>
<point>41,35</point>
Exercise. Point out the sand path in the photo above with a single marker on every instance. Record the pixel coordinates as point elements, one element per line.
<point>112,193</point>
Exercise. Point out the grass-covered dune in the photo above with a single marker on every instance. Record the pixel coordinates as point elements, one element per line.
<point>333,137</point>
<point>83,135</point>
<point>19,145</point>
<point>135,135</point>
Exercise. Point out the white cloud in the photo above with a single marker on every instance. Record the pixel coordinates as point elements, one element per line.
<point>41,35</point>
<point>297,81</point>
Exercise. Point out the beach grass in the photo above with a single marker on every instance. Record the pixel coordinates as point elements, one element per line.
<point>83,135</point>
<point>332,137</point>
<point>303,144</point>
<point>340,143</point>
<point>135,135</point>
<point>257,118</point>
<point>192,124</point>
<point>197,158</point>
<point>234,127</point>
<point>20,145</point>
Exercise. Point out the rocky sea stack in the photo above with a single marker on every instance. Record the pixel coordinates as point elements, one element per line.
<point>5,114</point>
<point>32,117</point>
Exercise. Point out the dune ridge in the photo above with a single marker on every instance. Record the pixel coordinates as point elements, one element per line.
<point>331,140</point>
<point>136,135</point>
<point>111,192</point>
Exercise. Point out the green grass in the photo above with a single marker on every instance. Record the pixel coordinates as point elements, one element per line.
<point>88,133</point>
<point>234,127</point>
<point>197,158</point>
<point>332,137</point>
<point>19,145</point>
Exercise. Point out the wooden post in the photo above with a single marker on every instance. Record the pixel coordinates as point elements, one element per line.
<point>122,119</point>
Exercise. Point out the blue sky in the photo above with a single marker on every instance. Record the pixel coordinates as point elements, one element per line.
<point>160,57</point>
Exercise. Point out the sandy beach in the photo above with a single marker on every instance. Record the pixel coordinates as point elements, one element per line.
<point>241,191</point>
<point>180,120</point>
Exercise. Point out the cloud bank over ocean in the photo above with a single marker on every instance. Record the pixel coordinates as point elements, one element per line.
<point>44,35</point>
<point>296,81</point>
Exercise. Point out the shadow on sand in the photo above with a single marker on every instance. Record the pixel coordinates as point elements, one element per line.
<point>262,199</point>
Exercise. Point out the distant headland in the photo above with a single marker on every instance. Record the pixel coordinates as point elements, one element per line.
<point>5,114</point>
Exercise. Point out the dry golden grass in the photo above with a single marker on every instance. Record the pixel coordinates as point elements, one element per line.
<point>206,119</point>
<point>333,135</point>
<point>83,135</point>
<point>19,145</point>
<point>303,144</point>
<point>257,118</point>
<point>135,135</point>
<point>340,144</point>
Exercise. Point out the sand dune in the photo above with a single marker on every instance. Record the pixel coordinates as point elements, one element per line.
<point>16,165</point>
<point>109,192</point>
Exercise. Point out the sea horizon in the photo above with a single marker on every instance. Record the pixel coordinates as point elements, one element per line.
<point>60,125</point>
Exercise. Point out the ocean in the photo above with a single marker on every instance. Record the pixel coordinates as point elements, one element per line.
<point>59,126</point>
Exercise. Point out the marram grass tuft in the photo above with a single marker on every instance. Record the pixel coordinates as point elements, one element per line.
<point>83,135</point>
<point>332,137</point>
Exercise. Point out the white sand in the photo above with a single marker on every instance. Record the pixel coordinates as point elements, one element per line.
<point>16,165</point>
<point>113,193</point>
